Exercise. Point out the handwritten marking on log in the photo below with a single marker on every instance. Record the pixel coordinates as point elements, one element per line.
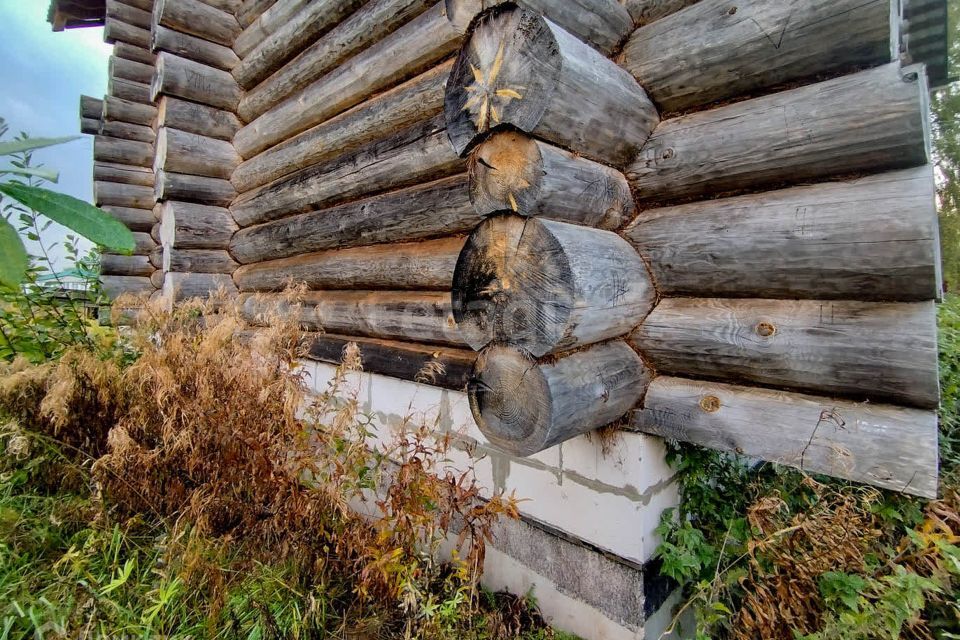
<point>884,445</point>
<point>709,52</point>
<point>184,78</point>
<point>416,213</point>
<point>511,171</point>
<point>420,266</point>
<point>196,49</point>
<point>874,238</point>
<point>416,100</point>
<point>863,350</point>
<point>812,132</point>
<point>394,315</point>
<point>545,286</point>
<point>412,156</point>
<point>524,407</point>
<point>519,68</point>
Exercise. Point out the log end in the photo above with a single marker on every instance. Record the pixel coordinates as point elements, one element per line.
<point>506,172</point>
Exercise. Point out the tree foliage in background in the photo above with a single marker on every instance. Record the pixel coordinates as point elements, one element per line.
<point>945,107</point>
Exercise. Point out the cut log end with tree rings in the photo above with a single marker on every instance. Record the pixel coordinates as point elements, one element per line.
<point>524,407</point>
<point>544,286</point>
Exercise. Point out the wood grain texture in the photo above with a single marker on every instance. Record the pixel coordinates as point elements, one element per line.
<point>393,315</point>
<point>129,90</point>
<point>522,70</point>
<point>127,131</point>
<point>135,219</point>
<point>408,51</point>
<point>418,154</point>
<point>89,126</point>
<point>133,52</point>
<point>131,152</point>
<point>190,188</point>
<point>197,260</point>
<point>438,366</point>
<point>124,173</point>
<point>887,446</point>
<point>91,107</point>
<point>182,78</point>
<point>118,194</point>
<point>115,31</point>
<point>184,286</point>
<point>198,19</point>
<point>810,133</point>
<point>873,238</point>
<point>194,117</point>
<point>545,286</point>
<point>416,100</point>
<point>862,350</point>
<point>126,12</point>
<point>184,152</point>
<point>647,11</point>
<point>115,286</point>
<point>120,110</point>
<point>601,23</point>
<point>511,171</point>
<point>424,211</point>
<point>117,265</point>
<point>250,10</point>
<point>716,51</point>
<point>186,225</point>
<point>129,70</point>
<point>270,20</point>
<point>314,20</point>
<point>197,49</point>
<point>376,20</point>
<point>523,407</point>
<point>423,266</point>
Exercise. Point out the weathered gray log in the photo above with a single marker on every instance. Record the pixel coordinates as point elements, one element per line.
<point>511,171</point>
<point>126,12</point>
<point>417,213</point>
<point>524,407</point>
<point>129,70</point>
<point>183,78</point>
<point>116,265</point>
<point>197,49</point>
<point>197,260</point>
<point>863,350</point>
<point>144,244</point>
<point>125,173</point>
<point>155,234</point>
<point>190,188</point>
<point>874,238</point>
<point>135,219</point>
<point>393,315</point>
<point>183,286</point>
<point>813,132</point>
<point>423,266</point>
<point>602,23</point>
<point>146,5</point>
<point>250,10</point>
<point>91,108</point>
<point>418,154</point>
<point>185,225</point>
<point>546,286</point>
<point>420,98</point>
<point>713,51</point>
<point>521,69</point>
<point>377,19</point>
<point>118,194</point>
<point>230,6</point>
<point>117,31</point>
<point>156,258</point>
<point>647,11</point>
<point>133,52</point>
<point>270,20</point>
<point>313,21</point>
<point>120,110</point>
<point>107,149</point>
<point>127,131</point>
<point>888,446</point>
<point>411,49</point>
<point>437,366</point>
<point>129,90</point>
<point>194,117</point>
<point>115,286</point>
<point>197,19</point>
<point>89,126</point>
<point>183,152</point>
<point>157,277</point>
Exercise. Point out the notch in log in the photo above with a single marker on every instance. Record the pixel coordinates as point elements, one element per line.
<point>512,171</point>
<point>522,70</point>
<point>523,407</point>
<point>545,286</point>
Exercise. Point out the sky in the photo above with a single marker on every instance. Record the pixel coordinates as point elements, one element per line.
<point>42,75</point>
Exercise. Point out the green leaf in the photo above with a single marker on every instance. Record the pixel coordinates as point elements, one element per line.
<point>46,174</point>
<point>13,257</point>
<point>18,146</point>
<point>84,218</point>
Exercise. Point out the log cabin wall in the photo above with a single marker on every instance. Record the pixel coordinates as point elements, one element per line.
<point>710,221</point>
